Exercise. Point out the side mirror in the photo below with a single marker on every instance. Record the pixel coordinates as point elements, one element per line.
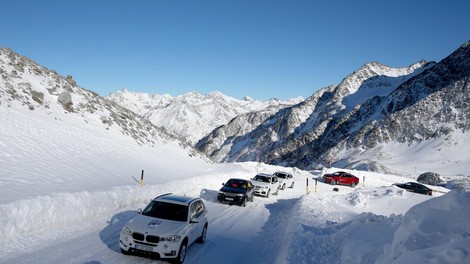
<point>223,183</point>
<point>139,211</point>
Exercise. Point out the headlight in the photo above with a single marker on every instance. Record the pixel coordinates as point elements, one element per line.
<point>172,239</point>
<point>126,231</point>
<point>240,194</point>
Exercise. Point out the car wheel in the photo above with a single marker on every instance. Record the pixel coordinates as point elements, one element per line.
<point>292,185</point>
<point>252,198</point>
<point>182,253</point>
<point>202,238</point>
<point>244,202</point>
<point>333,182</point>
<point>283,187</point>
<point>277,191</point>
<point>353,184</point>
<point>267,195</point>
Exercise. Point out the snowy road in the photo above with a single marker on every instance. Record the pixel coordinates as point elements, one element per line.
<point>252,234</point>
<point>321,227</point>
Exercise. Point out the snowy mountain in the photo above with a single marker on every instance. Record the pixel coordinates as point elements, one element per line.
<point>192,116</point>
<point>44,115</point>
<point>373,106</point>
<point>71,161</point>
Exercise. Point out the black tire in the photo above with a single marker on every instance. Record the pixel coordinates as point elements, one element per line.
<point>292,185</point>
<point>277,191</point>
<point>252,198</point>
<point>283,186</point>
<point>202,238</point>
<point>182,252</point>
<point>333,182</point>
<point>244,202</point>
<point>267,195</point>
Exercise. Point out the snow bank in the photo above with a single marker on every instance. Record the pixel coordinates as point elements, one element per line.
<point>45,212</point>
<point>434,231</point>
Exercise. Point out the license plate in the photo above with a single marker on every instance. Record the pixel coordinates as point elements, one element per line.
<point>228,198</point>
<point>144,248</point>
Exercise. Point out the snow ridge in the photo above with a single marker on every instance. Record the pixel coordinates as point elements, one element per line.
<point>191,116</point>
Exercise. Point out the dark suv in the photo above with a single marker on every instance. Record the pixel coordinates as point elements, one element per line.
<point>236,191</point>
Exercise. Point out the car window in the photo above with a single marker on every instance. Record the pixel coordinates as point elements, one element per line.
<point>239,184</point>
<point>197,208</point>
<point>261,178</point>
<point>168,211</point>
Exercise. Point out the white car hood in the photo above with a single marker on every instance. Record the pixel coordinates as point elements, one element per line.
<point>155,226</point>
<point>261,184</point>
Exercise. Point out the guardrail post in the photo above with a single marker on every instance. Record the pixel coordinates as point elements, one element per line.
<point>142,179</point>
<point>307,187</point>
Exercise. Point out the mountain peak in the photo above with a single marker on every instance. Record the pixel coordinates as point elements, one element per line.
<point>248,99</point>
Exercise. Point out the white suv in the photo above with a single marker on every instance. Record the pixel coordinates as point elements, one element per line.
<point>166,227</point>
<point>265,184</point>
<point>285,179</point>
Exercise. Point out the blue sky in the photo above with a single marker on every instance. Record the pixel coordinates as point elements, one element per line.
<point>263,49</point>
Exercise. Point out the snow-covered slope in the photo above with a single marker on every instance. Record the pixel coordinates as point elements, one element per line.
<point>48,121</point>
<point>192,116</point>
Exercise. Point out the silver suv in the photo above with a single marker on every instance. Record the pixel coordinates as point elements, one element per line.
<point>166,227</point>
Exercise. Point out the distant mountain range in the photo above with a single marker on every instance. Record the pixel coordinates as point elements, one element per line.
<point>372,107</point>
<point>192,116</point>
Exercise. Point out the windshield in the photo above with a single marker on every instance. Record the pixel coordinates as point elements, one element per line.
<point>168,211</point>
<point>261,178</point>
<point>281,175</point>
<point>238,184</point>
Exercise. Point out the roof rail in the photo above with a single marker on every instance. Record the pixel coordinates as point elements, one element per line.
<point>161,196</point>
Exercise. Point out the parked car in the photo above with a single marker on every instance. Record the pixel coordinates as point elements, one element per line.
<point>341,177</point>
<point>167,226</point>
<point>265,184</point>
<point>285,179</point>
<point>236,191</point>
<point>414,187</point>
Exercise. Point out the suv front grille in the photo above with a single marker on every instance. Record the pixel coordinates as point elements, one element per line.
<point>149,238</point>
<point>152,239</point>
<point>228,194</point>
<point>138,236</point>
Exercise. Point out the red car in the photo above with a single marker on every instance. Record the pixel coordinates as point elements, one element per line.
<point>341,177</point>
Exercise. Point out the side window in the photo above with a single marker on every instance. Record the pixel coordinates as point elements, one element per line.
<point>192,210</point>
<point>197,208</point>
